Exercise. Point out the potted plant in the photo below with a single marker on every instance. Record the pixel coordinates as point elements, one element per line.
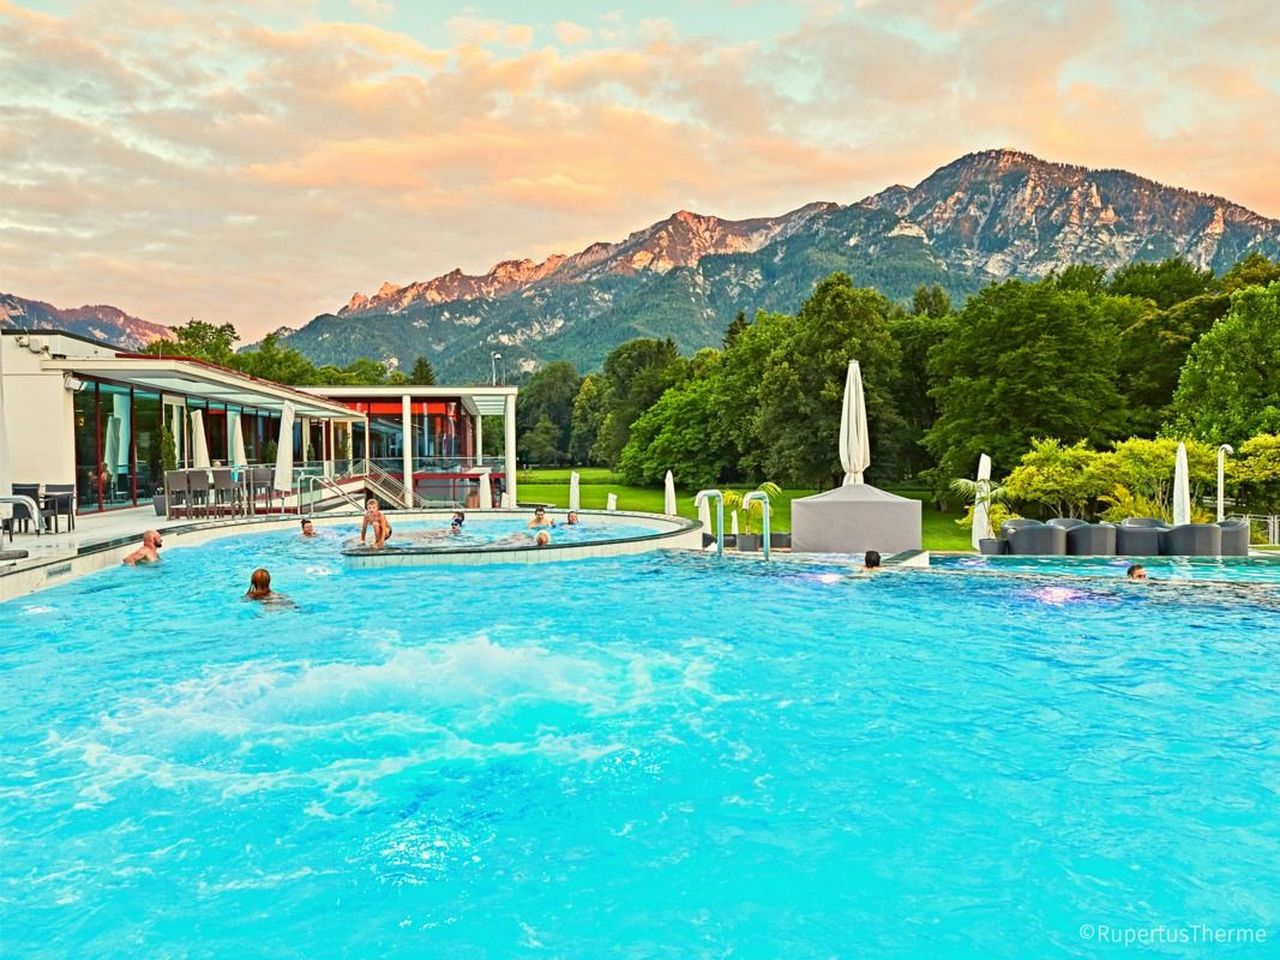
<point>753,514</point>
<point>992,496</point>
<point>169,460</point>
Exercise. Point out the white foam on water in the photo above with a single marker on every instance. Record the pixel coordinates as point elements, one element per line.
<point>36,610</point>
<point>263,881</point>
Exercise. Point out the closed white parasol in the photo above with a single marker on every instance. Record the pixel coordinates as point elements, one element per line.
<point>855,445</point>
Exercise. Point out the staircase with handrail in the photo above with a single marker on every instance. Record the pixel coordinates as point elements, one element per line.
<point>330,485</point>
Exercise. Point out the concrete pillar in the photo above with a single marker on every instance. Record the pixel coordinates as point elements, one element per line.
<point>407,449</point>
<point>479,451</point>
<point>509,446</point>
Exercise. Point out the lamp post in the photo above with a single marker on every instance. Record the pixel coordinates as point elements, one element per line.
<point>494,357</point>
<point>1222,469</point>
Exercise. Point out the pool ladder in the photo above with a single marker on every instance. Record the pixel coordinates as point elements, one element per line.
<point>763,497</point>
<point>718,497</point>
<point>754,495</point>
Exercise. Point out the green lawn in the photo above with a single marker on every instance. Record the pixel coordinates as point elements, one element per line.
<point>552,486</point>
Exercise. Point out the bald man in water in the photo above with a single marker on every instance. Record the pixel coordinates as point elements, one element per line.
<point>149,552</point>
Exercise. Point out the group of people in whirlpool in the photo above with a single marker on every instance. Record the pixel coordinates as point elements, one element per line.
<point>374,522</point>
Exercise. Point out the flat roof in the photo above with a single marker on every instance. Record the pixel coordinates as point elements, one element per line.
<point>487,401</point>
<point>207,380</point>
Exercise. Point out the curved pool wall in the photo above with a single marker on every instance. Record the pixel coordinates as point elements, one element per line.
<point>663,533</point>
<point>31,576</point>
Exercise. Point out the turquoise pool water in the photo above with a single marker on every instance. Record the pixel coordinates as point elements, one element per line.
<point>1233,569</point>
<point>656,756</point>
<point>479,532</point>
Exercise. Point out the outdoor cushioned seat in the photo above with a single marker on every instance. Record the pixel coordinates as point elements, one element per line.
<point>1140,537</point>
<point>1039,539</point>
<point>1192,540</point>
<point>1092,540</point>
<point>1017,523</point>
<point>1067,523</point>
<point>1235,538</point>
<point>993,547</point>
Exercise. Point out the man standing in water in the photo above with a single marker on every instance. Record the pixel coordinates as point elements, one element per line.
<point>149,551</point>
<point>374,517</point>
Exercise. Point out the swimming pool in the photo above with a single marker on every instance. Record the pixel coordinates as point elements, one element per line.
<point>661,755</point>
<point>1233,569</point>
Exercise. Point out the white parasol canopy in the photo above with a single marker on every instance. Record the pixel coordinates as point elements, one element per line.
<point>199,442</point>
<point>855,445</point>
<point>733,523</point>
<point>238,456</point>
<point>669,496</point>
<point>284,450</point>
<point>982,503</point>
<point>611,502</point>
<point>575,498</point>
<point>486,491</point>
<point>1181,487</point>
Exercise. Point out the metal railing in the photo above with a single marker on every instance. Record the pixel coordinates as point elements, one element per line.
<point>388,487</point>
<point>718,497</point>
<point>763,497</point>
<point>312,482</point>
<point>1270,524</point>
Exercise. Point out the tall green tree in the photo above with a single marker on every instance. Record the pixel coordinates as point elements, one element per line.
<point>736,326</point>
<point>1255,270</point>
<point>1229,389</point>
<point>916,335</point>
<point>1084,277</point>
<point>540,445</point>
<point>1164,283</point>
<point>200,339</point>
<point>1023,360</point>
<point>589,409</point>
<point>683,432</point>
<point>635,376</point>
<point>272,361</point>
<point>1154,344</point>
<point>930,301</point>
<point>550,393</point>
<point>803,386</point>
<point>422,374</point>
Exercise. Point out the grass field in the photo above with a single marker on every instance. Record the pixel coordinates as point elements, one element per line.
<point>552,486</point>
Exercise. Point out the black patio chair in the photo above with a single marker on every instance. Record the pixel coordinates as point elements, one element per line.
<point>61,498</point>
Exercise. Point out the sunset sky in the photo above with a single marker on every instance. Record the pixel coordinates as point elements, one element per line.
<point>259,162</point>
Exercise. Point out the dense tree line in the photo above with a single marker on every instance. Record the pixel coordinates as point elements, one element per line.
<point>1080,356</point>
<point>216,343</point>
<point>1077,361</point>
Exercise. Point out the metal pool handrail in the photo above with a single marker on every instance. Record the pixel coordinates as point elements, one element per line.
<point>718,497</point>
<point>764,515</point>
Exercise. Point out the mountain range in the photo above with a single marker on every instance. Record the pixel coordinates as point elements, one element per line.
<point>104,323</point>
<point>986,216</point>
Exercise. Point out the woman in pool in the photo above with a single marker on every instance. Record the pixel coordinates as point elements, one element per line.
<point>572,519</point>
<point>260,588</point>
<point>374,517</point>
